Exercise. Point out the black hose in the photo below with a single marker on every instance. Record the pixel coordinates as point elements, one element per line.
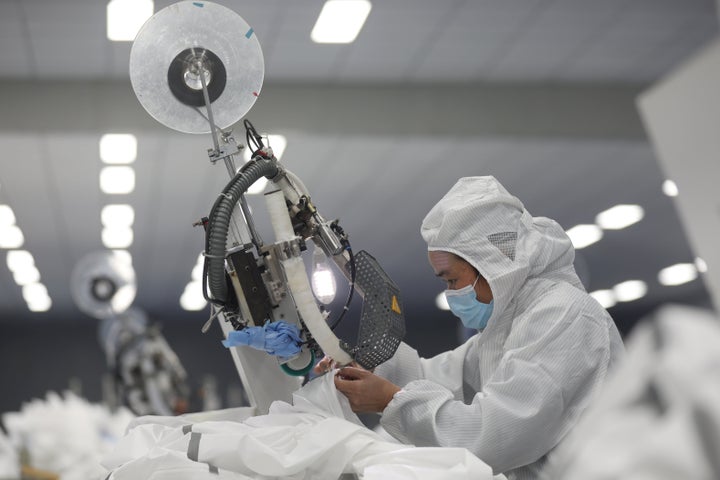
<point>219,222</point>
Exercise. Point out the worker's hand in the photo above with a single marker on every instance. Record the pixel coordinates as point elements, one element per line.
<point>366,391</point>
<point>324,365</point>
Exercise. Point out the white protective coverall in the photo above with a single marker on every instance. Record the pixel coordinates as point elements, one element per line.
<point>511,393</point>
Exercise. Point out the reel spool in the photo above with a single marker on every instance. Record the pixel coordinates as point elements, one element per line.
<point>103,285</point>
<point>184,44</point>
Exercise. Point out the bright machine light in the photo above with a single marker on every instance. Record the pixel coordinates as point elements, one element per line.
<point>322,279</point>
<point>606,298</point>
<point>117,180</point>
<point>126,17</point>
<point>678,274</point>
<point>340,21</point>
<point>118,148</point>
<point>441,301</point>
<point>619,217</point>
<point>630,290</point>
<point>584,235</point>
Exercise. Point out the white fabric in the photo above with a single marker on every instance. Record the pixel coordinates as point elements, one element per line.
<point>659,415</point>
<point>316,438</point>
<point>511,393</point>
<point>9,461</point>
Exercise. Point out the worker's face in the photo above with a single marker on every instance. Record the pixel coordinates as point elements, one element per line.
<point>458,273</point>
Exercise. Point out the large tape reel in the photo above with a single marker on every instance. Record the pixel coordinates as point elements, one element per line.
<point>178,43</point>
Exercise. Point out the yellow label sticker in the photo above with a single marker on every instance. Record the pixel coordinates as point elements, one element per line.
<point>395,305</point>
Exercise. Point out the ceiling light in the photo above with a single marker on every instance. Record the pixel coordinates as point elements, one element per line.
<point>123,298</point>
<point>19,259</point>
<point>11,237</point>
<point>40,305</point>
<point>340,21</point>
<point>124,256</point>
<point>606,298</point>
<point>27,275</point>
<point>118,148</point>
<point>120,215</point>
<point>126,17</point>
<point>7,216</point>
<point>441,302</point>
<point>117,237</point>
<point>678,274</point>
<point>192,298</point>
<point>619,216</point>
<point>584,235</point>
<point>701,265</point>
<point>669,188</point>
<point>117,180</point>
<point>630,290</point>
<point>34,293</point>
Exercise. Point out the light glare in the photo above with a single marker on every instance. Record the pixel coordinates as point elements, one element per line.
<point>11,237</point>
<point>118,148</point>
<point>26,275</point>
<point>340,21</point>
<point>630,290</point>
<point>582,236</point>
<point>117,180</point>
<point>619,217</point>
<point>441,301</point>
<point>117,237</point>
<point>117,216</point>
<point>669,188</point>
<point>701,265</point>
<point>606,298</point>
<point>192,298</point>
<point>126,17</point>
<point>678,274</point>
<point>7,216</point>
<point>19,259</point>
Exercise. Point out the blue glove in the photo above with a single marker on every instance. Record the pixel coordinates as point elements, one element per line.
<point>276,338</point>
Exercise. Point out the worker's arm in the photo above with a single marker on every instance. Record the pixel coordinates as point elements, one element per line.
<point>542,384</point>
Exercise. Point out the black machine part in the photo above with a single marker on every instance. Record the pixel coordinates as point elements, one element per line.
<point>382,322</point>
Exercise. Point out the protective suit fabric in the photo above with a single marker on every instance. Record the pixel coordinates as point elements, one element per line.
<point>511,393</point>
<point>318,437</point>
<point>658,417</point>
<point>275,338</point>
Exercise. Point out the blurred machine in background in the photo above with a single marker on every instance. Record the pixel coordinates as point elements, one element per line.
<point>145,374</point>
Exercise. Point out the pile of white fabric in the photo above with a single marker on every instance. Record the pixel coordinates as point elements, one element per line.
<point>65,435</point>
<point>659,416</point>
<point>318,437</point>
<point>9,461</point>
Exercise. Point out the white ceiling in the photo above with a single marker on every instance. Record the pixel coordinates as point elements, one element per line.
<point>379,182</point>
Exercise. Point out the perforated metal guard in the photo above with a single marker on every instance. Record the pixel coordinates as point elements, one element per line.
<point>382,322</point>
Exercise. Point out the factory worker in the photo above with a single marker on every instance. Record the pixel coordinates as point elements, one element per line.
<point>512,392</point>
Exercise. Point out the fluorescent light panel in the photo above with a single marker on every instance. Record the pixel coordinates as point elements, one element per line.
<point>11,237</point>
<point>117,180</point>
<point>121,237</point>
<point>19,259</point>
<point>678,274</point>
<point>584,235</point>
<point>630,290</point>
<point>340,21</point>
<point>126,17</point>
<point>441,302</point>
<point>619,217</point>
<point>669,188</point>
<point>192,298</point>
<point>118,148</point>
<point>117,216</point>
<point>606,298</point>
<point>7,216</point>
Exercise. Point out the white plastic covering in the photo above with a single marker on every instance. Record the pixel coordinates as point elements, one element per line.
<point>9,461</point>
<point>659,415</point>
<point>318,437</point>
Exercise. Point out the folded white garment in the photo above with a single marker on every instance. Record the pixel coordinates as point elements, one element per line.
<point>318,437</point>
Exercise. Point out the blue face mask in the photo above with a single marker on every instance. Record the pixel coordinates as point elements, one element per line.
<point>465,305</point>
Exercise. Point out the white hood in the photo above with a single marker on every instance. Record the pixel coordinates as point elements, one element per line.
<point>481,222</point>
